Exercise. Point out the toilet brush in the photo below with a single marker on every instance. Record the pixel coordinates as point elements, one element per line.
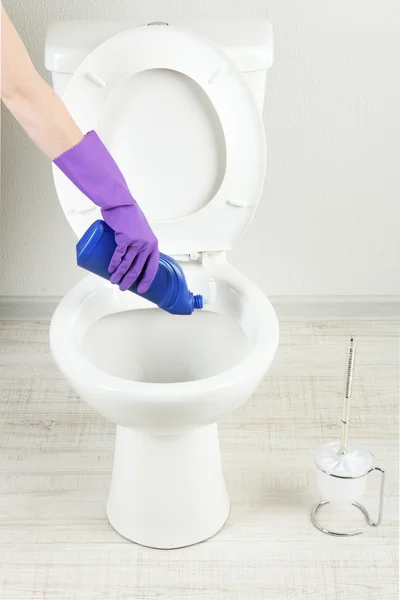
<point>342,468</point>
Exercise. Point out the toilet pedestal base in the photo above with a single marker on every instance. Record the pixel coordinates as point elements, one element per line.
<point>167,491</point>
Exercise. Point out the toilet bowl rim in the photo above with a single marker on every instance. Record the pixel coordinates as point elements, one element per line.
<point>77,368</point>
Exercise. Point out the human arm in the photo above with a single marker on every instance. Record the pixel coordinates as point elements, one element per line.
<point>83,159</point>
<point>33,103</point>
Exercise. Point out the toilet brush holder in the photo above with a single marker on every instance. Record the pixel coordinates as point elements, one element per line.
<point>343,468</point>
<point>342,480</point>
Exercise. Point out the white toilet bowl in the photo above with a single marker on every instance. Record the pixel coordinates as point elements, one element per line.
<point>165,381</point>
<point>182,117</point>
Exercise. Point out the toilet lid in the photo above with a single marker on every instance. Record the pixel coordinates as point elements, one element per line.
<point>183,126</point>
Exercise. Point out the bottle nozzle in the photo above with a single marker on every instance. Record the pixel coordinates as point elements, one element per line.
<point>198,302</point>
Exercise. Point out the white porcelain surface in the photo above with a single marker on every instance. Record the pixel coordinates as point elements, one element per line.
<point>185,371</point>
<point>165,380</point>
<point>167,491</point>
<point>248,42</point>
<point>185,127</point>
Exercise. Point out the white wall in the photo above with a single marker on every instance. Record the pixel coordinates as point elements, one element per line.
<point>329,221</point>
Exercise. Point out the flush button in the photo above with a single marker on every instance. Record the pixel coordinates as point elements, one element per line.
<point>157,23</point>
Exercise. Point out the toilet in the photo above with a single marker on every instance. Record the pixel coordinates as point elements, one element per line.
<point>180,108</point>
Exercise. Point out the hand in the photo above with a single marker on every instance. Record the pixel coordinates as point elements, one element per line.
<point>93,170</point>
<point>136,256</point>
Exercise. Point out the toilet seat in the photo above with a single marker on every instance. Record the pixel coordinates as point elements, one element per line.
<point>128,401</point>
<point>218,225</point>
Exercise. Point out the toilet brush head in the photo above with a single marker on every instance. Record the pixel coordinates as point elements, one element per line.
<point>329,458</point>
<point>340,477</point>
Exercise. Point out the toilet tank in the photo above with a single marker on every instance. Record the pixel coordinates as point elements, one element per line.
<point>248,43</point>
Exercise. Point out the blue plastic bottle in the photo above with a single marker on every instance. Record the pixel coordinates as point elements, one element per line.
<point>168,290</point>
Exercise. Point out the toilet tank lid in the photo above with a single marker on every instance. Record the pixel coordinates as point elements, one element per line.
<point>249,43</point>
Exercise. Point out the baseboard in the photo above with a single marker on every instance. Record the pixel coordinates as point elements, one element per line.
<point>288,308</point>
<point>337,308</point>
<point>27,308</point>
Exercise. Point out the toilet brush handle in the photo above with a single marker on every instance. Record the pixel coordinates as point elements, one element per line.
<point>347,398</point>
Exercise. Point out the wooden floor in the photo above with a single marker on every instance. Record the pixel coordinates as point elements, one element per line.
<point>56,457</point>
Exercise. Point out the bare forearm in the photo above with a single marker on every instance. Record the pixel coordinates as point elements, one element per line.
<point>33,103</point>
<point>43,116</point>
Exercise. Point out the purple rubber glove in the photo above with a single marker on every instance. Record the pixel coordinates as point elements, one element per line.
<point>92,169</point>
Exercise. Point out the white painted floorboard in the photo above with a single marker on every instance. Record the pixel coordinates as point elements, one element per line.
<point>56,458</point>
